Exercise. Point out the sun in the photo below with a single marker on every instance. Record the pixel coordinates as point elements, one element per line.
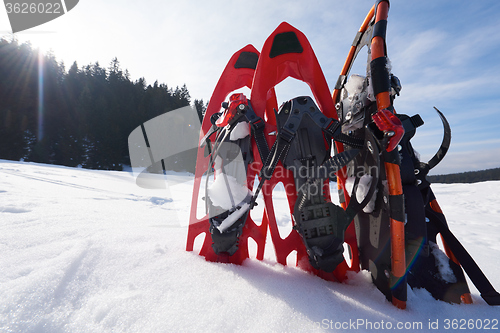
<point>44,41</point>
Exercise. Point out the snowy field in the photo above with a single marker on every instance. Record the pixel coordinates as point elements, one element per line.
<point>90,251</point>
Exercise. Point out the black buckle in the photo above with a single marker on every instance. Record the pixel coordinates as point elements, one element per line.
<point>258,124</point>
<point>287,135</point>
<point>332,127</point>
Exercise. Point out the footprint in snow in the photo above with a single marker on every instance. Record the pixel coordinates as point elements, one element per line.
<point>13,209</point>
<point>159,201</point>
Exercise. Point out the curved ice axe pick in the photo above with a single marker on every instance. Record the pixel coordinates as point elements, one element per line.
<point>424,168</point>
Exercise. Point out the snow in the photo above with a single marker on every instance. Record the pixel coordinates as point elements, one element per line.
<point>240,131</point>
<point>90,251</point>
<point>233,217</point>
<point>354,85</point>
<point>220,196</point>
<point>443,264</point>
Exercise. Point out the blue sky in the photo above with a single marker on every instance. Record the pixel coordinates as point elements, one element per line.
<point>446,54</point>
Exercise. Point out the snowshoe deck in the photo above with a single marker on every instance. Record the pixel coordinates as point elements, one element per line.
<point>238,73</point>
<point>288,53</point>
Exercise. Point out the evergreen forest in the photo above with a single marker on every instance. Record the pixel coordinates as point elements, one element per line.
<point>80,116</point>
<point>467,177</point>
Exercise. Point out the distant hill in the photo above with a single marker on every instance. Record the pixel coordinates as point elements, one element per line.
<point>467,177</point>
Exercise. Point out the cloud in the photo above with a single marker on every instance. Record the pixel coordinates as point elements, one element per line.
<point>410,51</point>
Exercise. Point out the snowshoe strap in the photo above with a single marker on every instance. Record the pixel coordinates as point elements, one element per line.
<point>335,163</point>
<point>348,140</point>
<point>334,130</point>
<point>258,125</point>
<point>323,172</point>
<point>412,123</point>
<point>213,119</point>
<point>279,149</point>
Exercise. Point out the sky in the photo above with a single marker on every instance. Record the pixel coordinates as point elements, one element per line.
<point>444,52</point>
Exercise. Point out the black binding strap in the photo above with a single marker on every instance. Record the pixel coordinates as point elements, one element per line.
<point>371,150</point>
<point>412,123</point>
<point>334,130</point>
<point>278,151</point>
<point>336,163</point>
<point>258,125</point>
<point>349,140</point>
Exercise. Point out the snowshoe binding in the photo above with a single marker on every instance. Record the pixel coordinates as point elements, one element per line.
<point>305,151</point>
<point>228,197</point>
